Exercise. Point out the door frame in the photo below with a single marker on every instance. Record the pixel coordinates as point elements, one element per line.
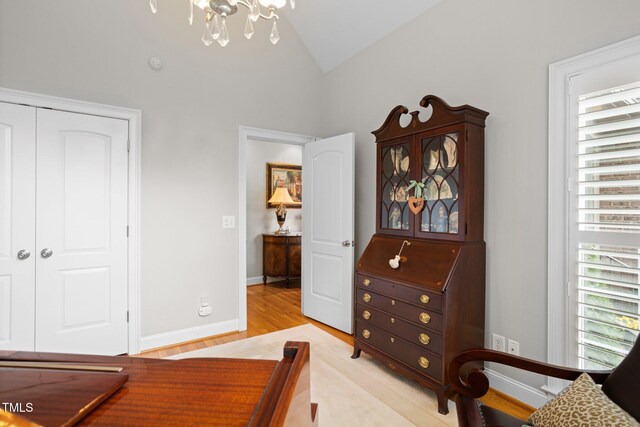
<point>253,134</point>
<point>134,117</point>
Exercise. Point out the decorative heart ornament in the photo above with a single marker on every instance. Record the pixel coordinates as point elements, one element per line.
<point>416,204</point>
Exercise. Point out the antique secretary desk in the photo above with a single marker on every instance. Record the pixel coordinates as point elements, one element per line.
<point>420,283</point>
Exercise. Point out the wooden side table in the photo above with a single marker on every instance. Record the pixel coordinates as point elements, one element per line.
<point>281,256</point>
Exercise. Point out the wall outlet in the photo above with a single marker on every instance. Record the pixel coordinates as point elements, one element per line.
<point>513,347</point>
<point>228,222</point>
<point>205,311</point>
<point>498,343</point>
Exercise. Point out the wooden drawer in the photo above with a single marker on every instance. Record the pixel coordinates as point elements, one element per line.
<point>420,336</point>
<point>417,296</point>
<point>418,359</point>
<point>396,308</point>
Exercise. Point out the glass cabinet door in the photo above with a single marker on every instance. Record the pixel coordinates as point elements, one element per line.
<point>395,172</point>
<point>441,177</point>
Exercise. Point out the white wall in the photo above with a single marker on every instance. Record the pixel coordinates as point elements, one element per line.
<point>493,55</point>
<point>98,51</point>
<point>259,218</point>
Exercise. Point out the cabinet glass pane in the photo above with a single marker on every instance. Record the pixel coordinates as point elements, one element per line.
<point>440,174</point>
<point>394,180</point>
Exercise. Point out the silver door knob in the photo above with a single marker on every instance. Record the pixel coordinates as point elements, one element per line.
<point>46,253</point>
<point>24,254</point>
<point>346,243</point>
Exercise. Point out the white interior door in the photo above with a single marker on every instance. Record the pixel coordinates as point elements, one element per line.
<point>328,230</point>
<point>81,233</point>
<point>17,226</point>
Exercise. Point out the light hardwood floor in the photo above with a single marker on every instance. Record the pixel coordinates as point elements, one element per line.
<point>274,307</point>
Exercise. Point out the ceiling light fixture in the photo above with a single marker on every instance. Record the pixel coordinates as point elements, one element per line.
<point>217,11</point>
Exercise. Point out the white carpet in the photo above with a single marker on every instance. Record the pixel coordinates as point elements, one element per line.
<point>361,391</point>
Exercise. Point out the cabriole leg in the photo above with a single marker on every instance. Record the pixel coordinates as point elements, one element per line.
<point>356,351</point>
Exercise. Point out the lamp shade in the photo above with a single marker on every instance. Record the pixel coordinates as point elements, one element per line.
<point>280,196</point>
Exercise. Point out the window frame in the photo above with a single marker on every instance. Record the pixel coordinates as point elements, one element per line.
<point>562,119</point>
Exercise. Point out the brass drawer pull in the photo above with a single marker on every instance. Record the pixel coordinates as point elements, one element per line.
<point>366,297</point>
<point>393,302</point>
<point>425,299</point>
<point>425,318</point>
<point>366,333</point>
<point>424,339</point>
<point>366,315</point>
<point>424,362</point>
<point>366,282</point>
<point>393,340</point>
<point>392,320</point>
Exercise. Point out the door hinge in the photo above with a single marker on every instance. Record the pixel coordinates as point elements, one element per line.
<point>568,184</point>
<point>467,134</point>
<point>128,145</point>
<point>127,231</point>
<point>127,316</point>
<point>466,229</point>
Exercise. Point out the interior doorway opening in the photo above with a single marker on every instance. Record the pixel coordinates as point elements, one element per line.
<point>249,136</point>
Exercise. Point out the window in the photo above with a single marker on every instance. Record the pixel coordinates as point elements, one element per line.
<point>594,207</point>
<point>604,228</point>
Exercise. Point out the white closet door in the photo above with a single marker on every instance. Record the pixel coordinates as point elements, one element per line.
<point>81,211</point>
<point>17,226</point>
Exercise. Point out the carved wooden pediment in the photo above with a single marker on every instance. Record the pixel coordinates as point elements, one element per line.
<point>442,114</point>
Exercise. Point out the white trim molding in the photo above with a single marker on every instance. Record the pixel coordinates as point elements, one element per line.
<point>516,389</point>
<point>188,334</point>
<point>134,117</point>
<point>561,80</point>
<point>257,280</point>
<point>253,134</point>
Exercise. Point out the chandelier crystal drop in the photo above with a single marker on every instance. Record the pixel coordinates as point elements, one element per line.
<point>215,27</point>
<point>248,28</point>
<point>255,11</point>
<point>223,37</point>
<point>217,11</point>
<point>275,35</point>
<point>207,35</point>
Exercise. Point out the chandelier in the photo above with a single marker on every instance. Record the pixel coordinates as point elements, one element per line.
<point>216,13</point>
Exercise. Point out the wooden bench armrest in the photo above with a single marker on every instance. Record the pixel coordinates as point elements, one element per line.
<point>474,383</point>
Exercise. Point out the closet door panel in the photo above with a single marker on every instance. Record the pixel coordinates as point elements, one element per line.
<point>17,226</point>
<point>81,274</point>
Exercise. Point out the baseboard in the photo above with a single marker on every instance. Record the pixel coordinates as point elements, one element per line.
<point>258,280</point>
<point>189,334</point>
<point>516,389</point>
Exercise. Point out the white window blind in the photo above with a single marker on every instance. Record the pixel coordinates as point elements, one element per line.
<point>606,236</point>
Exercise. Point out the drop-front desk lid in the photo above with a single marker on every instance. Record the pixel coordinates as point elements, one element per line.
<point>427,263</point>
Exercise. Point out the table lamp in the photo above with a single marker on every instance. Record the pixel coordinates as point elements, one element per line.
<point>281,196</point>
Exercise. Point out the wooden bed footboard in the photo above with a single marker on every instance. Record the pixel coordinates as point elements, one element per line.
<point>71,389</point>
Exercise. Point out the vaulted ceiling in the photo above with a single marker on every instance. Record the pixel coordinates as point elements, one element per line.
<point>336,30</point>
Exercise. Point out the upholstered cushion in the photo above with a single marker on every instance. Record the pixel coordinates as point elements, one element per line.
<point>582,404</point>
<point>623,385</point>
